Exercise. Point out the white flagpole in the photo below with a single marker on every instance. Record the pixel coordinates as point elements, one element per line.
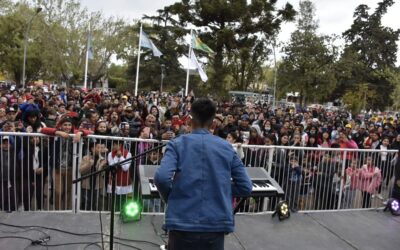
<point>138,61</point>
<point>87,59</point>
<point>189,57</point>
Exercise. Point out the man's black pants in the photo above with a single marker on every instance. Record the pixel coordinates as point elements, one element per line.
<point>179,240</point>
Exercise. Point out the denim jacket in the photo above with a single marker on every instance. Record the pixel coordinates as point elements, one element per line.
<point>198,176</point>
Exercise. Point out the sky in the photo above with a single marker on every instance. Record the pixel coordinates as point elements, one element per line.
<point>335,16</point>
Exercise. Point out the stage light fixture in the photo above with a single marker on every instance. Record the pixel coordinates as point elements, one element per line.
<point>131,211</point>
<point>394,206</point>
<point>282,210</point>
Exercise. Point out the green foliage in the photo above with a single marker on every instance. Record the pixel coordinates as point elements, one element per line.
<point>395,79</point>
<point>307,66</point>
<point>67,23</point>
<point>116,75</point>
<point>373,46</point>
<point>238,32</point>
<point>13,25</point>
<point>57,41</point>
<point>356,98</point>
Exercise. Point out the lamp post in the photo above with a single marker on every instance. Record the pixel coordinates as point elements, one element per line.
<point>162,77</point>
<point>38,10</point>
<point>275,74</point>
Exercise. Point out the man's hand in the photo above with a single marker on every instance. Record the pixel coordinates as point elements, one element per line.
<point>39,171</point>
<point>77,137</point>
<point>62,134</point>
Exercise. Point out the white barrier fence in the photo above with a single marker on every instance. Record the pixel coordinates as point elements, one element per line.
<point>37,172</point>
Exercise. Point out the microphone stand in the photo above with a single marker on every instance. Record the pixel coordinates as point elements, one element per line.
<point>113,169</point>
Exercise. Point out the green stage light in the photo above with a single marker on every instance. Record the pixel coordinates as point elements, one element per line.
<point>131,211</point>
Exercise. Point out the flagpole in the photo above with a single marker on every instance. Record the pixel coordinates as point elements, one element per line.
<point>87,59</point>
<point>138,61</point>
<point>188,67</point>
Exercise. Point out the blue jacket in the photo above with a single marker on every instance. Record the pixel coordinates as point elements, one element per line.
<point>194,178</point>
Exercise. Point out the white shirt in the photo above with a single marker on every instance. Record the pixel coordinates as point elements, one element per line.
<point>125,167</point>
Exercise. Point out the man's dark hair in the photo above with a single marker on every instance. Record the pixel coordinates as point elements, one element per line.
<point>203,111</point>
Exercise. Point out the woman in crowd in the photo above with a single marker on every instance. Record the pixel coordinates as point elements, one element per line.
<point>113,123</point>
<point>351,182</point>
<point>61,160</point>
<point>156,113</point>
<point>326,140</point>
<point>101,129</point>
<point>370,180</point>
<point>35,172</point>
<point>253,156</point>
<point>234,139</point>
<point>92,193</point>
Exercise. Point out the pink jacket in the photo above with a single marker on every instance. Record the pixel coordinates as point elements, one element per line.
<point>354,177</point>
<point>349,144</point>
<point>369,182</point>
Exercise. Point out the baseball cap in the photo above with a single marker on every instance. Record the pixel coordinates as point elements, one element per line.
<point>128,108</point>
<point>348,126</point>
<point>6,137</point>
<point>363,126</point>
<point>28,97</point>
<point>245,117</point>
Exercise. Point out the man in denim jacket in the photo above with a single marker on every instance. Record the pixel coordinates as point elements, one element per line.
<point>198,176</point>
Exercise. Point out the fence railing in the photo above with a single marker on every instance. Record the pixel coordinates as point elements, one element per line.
<point>37,171</point>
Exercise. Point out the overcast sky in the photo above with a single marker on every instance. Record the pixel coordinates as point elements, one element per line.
<point>335,16</point>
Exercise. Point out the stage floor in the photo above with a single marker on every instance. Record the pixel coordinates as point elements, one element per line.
<point>374,230</point>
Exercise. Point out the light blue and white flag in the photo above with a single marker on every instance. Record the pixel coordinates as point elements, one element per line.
<point>90,47</point>
<point>146,42</point>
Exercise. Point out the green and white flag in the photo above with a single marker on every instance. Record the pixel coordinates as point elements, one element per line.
<point>199,45</point>
<point>195,62</point>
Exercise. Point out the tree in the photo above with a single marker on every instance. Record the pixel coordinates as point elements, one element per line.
<point>237,31</point>
<point>5,5</point>
<point>395,80</point>
<point>308,64</point>
<point>13,26</point>
<point>58,38</point>
<point>356,97</point>
<point>117,76</point>
<point>374,48</point>
<point>67,30</point>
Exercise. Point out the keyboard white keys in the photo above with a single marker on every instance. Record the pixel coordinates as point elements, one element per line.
<point>262,186</point>
<point>152,186</point>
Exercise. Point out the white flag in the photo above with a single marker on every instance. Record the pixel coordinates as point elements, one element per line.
<point>90,47</point>
<point>194,61</point>
<point>145,42</point>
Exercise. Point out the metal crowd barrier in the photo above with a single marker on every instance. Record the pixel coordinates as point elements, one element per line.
<point>36,174</point>
<point>317,179</point>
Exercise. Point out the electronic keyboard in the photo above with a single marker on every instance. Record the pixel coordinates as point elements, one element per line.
<point>263,184</point>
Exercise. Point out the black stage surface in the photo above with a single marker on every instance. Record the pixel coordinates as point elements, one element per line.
<point>373,230</point>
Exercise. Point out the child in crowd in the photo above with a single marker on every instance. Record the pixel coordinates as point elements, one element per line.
<point>370,180</point>
<point>293,184</point>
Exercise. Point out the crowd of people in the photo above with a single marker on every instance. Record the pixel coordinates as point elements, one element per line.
<point>65,111</point>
